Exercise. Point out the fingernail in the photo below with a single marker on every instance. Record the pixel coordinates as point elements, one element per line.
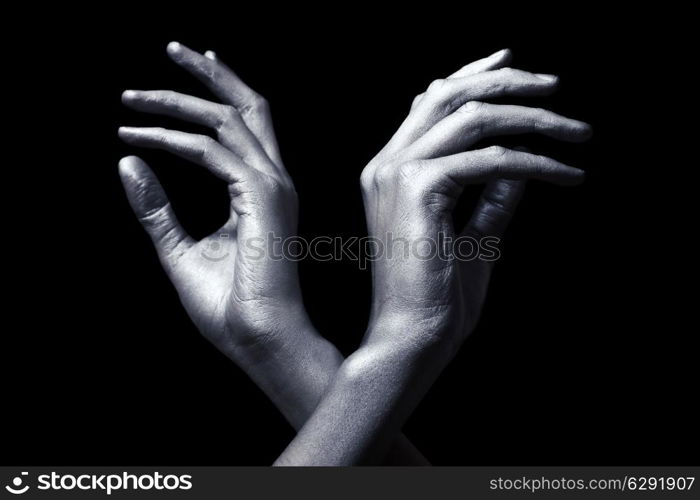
<point>128,162</point>
<point>546,77</point>
<point>502,52</point>
<point>125,131</point>
<point>174,47</point>
<point>210,54</point>
<point>128,94</point>
<point>587,130</point>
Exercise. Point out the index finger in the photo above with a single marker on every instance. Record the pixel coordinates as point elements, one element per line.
<point>226,85</point>
<point>220,79</point>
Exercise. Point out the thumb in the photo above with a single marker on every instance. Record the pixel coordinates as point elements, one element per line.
<point>153,210</point>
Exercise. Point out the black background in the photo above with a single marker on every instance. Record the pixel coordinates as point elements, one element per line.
<point>581,356</point>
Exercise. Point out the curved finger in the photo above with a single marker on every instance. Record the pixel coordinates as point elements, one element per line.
<point>495,208</point>
<point>231,130</point>
<point>496,60</point>
<point>495,162</point>
<point>220,79</point>
<point>482,79</point>
<point>492,84</point>
<point>475,121</point>
<point>453,93</point>
<point>225,84</point>
<point>175,105</point>
<point>199,149</point>
<point>152,208</point>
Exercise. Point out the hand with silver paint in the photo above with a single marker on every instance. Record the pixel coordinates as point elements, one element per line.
<point>246,303</point>
<point>423,308</point>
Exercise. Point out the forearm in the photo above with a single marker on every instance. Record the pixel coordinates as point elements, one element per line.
<point>293,369</point>
<point>295,372</point>
<point>369,399</point>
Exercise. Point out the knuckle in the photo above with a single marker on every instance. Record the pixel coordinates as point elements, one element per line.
<point>206,146</point>
<point>262,102</point>
<point>170,100</point>
<point>411,179</point>
<point>542,164</point>
<point>228,115</point>
<point>539,114</point>
<point>209,69</point>
<point>271,191</point>
<point>507,72</point>
<point>496,152</point>
<point>271,186</point>
<point>435,86</point>
<point>501,81</point>
<point>163,96</point>
<point>154,217</point>
<point>160,134</point>
<point>206,141</point>
<point>258,104</point>
<point>416,100</point>
<point>383,176</point>
<point>539,119</point>
<point>230,112</point>
<point>474,113</point>
<point>473,108</point>
<point>393,174</point>
<point>498,86</point>
<point>366,179</point>
<point>408,171</point>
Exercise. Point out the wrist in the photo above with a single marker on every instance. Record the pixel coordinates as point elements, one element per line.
<point>266,333</point>
<point>414,331</point>
<point>292,364</point>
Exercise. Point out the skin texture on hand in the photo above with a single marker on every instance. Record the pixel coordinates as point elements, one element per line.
<point>423,309</point>
<point>247,304</point>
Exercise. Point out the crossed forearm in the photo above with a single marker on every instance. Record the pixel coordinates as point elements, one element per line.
<point>371,396</point>
<point>296,375</point>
